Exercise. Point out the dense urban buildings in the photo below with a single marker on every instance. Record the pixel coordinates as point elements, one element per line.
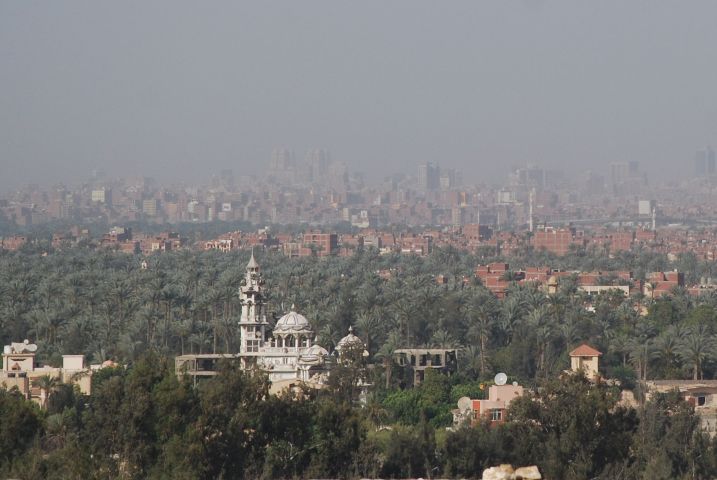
<point>317,190</point>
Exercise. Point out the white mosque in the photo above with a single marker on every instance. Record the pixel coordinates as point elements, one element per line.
<point>290,355</point>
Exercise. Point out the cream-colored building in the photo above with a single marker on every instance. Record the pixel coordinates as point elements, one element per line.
<point>701,394</point>
<point>20,370</point>
<point>586,359</point>
<point>289,355</point>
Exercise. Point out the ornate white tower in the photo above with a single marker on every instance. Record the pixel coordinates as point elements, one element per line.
<point>252,325</point>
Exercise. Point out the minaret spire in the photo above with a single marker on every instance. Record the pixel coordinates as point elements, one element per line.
<point>252,261</point>
<point>252,324</point>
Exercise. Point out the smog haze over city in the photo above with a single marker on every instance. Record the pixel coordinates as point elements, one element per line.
<point>181,90</point>
<point>367,239</point>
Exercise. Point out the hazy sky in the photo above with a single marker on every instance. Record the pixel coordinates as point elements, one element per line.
<point>179,90</point>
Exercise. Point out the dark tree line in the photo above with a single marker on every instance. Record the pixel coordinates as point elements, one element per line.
<point>145,422</point>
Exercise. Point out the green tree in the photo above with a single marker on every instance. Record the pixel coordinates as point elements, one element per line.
<point>20,426</point>
<point>580,426</point>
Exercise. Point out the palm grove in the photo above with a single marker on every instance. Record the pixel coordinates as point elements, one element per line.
<point>142,421</point>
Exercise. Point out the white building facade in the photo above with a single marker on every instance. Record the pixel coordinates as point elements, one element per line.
<point>289,355</point>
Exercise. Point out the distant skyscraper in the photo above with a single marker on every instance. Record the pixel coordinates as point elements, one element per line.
<point>102,195</point>
<point>282,166</point>
<point>448,179</point>
<point>618,172</point>
<point>318,161</point>
<point>528,176</point>
<point>281,159</point>
<point>428,176</point>
<point>705,162</point>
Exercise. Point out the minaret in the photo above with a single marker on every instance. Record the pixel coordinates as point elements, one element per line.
<point>252,324</point>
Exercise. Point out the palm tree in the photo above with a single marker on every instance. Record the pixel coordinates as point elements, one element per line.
<point>569,332</point>
<point>511,314</point>
<point>368,326</point>
<point>543,328</point>
<point>386,352</point>
<point>666,347</point>
<point>54,321</point>
<point>471,360</point>
<point>57,429</point>
<point>329,337</point>
<point>442,339</point>
<point>480,326</point>
<point>640,350</point>
<point>201,339</point>
<point>697,347</point>
<point>47,384</point>
<point>405,309</point>
<point>620,344</point>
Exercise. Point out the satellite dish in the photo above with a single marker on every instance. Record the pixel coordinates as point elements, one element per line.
<point>515,384</point>
<point>464,403</point>
<point>501,378</point>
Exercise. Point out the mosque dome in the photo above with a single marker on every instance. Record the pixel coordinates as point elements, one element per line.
<point>349,341</point>
<point>317,350</point>
<point>292,322</point>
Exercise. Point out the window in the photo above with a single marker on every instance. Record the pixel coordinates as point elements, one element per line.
<point>252,346</point>
<point>496,415</point>
<point>701,400</point>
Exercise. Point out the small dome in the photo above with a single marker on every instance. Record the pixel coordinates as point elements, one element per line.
<point>317,350</point>
<point>349,341</point>
<point>292,322</point>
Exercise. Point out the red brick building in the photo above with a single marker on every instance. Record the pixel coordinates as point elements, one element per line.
<point>557,241</point>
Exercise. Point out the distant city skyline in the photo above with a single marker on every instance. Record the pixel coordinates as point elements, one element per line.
<point>178,91</point>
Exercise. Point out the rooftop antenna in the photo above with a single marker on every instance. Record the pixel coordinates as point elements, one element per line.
<point>501,379</point>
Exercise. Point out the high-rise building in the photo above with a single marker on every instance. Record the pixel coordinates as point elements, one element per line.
<point>448,178</point>
<point>102,195</point>
<point>428,176</point>
<point>646,207</point>
<point>150,207</point>
<point>618,172</point>
<point>281,159</point>
<point>705,162</point>
<point>530,176</point>
<point>282,165</point>
<point>626,176</point>
<point>317,162</point>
